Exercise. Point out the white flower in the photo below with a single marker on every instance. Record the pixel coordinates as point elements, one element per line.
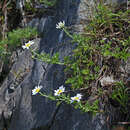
<point>36,90</point>
<point>27,45</point>
<point>76,98</point>
<point>60,25</point>
<point>59,91</point>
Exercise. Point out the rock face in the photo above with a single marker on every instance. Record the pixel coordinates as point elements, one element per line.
<point>1,66</point>
<point>19,110</point>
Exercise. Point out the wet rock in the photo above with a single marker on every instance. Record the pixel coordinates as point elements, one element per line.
<point>1,66</point>
<point>39,23</point>
<point>10,91</point>
<point>72,119</point>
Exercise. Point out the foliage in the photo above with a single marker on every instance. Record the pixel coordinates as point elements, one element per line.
<point>48,2</point>
<point>15,38</point>
<point>2,51</point>
<point>120,94</point>
<point>106,38</point>
<point>47,58</point>
<point>30,5</point>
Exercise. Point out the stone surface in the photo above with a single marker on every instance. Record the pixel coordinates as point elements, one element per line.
<point>19,110</point>
<point>1,66</point>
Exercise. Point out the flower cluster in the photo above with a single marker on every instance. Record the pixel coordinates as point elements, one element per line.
<point>28,44</point>
<point>58,92</point>
<point>61,90</point>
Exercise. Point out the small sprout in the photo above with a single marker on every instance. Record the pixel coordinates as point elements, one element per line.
<point>36,90</point>
<point>27,45</point>
<point>60,25</point>
<point>76,98</point>
<point>59,91</point>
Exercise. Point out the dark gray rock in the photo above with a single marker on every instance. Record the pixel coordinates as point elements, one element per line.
<point>19,110</point>
<point>72,119</point>
<point>1,66</point>
<point>10,91</point>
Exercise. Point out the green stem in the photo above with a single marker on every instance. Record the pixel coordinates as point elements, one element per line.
<point>51,97</point>
<point>44,95</point>
<point>67,33</point>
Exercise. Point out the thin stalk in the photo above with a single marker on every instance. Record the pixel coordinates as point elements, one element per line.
<point>65,30</point>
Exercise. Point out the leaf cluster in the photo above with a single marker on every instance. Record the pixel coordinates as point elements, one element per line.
<point>120,94</point>
<point>15,38</point>
<point>30,6</point>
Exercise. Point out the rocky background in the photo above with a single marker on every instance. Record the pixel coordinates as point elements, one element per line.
<point>19,110</point>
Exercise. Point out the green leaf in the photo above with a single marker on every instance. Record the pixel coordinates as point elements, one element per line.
<point>85,71</point>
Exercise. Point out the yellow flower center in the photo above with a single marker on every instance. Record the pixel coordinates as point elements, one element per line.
<point>28,45</point>
<point>60,91</point>
<point>76,98</point>
<point>37,90</point>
